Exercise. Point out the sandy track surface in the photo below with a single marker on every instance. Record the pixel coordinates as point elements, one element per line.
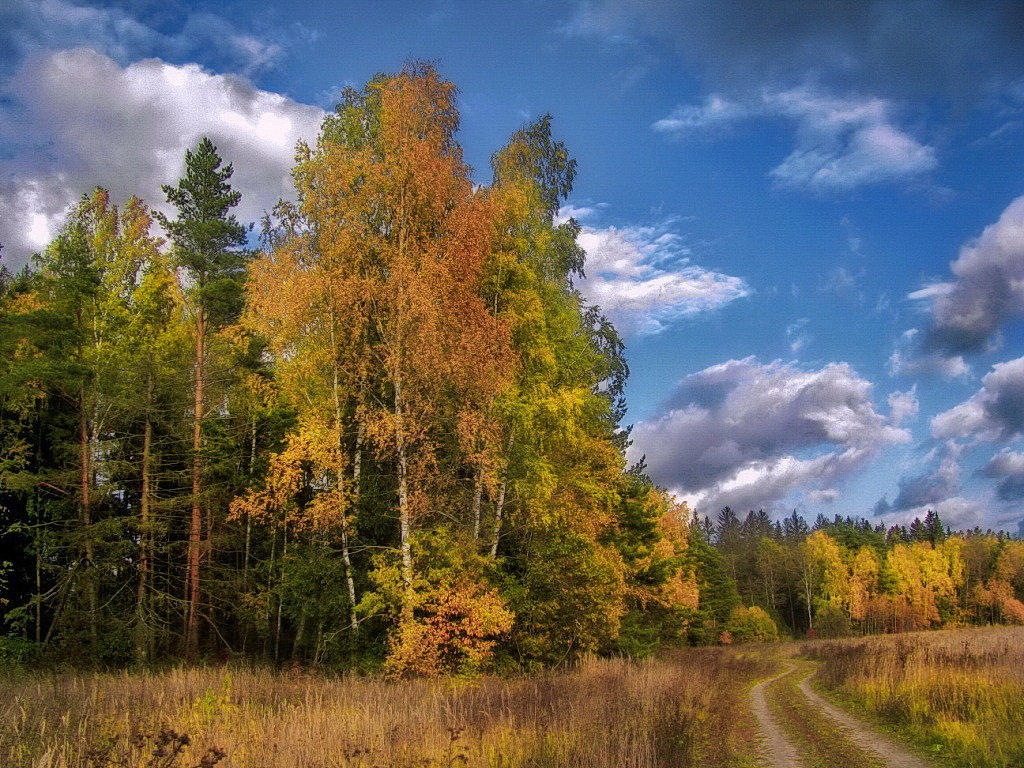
<point>777,750</point>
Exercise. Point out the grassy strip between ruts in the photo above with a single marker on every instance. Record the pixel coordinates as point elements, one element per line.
<point>822,743</point>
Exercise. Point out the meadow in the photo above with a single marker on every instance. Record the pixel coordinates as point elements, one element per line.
<point>686,708</point>
<point>958,694</point>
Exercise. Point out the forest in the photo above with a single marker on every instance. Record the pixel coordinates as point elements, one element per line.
<point>384,432</point>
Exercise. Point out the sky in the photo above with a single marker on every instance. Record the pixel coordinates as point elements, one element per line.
<point>806,218</point>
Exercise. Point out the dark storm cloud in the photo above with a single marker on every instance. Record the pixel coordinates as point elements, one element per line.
<point>918,47</point>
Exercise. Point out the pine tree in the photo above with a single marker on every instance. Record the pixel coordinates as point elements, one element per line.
<point>208,248</point>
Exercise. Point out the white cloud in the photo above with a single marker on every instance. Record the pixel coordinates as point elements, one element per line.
<point>749,434</point>
<point>642,277</point>
<point>994,412</point>
<point>968,313</point>
<point>127,129</point>
<point>841,142</point>
<point>1008,467</point>
<point>903,405</point>
<point>1006,463</point>
<point>798,336</point>
<point>926,490</point>
<point>844,143</point>
<point>907,359</point>
<point>27,26</point>
<point>715,112</point>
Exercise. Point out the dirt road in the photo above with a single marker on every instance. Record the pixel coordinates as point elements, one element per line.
<point>776,749</point>
<point>806,729</point>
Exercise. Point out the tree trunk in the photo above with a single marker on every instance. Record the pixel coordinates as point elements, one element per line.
<point>280,600</point>
<point>478,495</point>
<point>196,516</point>
<point>808,593</point>
<point>85,481</point>
<point>499,509</point>
<point>142,597</point>
<point>405,522</point>
<point>346,557</point>
<point>300,633</point>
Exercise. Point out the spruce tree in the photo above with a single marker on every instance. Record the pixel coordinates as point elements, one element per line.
<point>209,251</point>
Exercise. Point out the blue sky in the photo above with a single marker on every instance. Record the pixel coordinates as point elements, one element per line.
<point>802,216</point>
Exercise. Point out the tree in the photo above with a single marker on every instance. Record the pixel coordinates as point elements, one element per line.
<point>208,249</point>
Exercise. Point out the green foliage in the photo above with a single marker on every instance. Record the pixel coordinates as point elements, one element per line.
<point>832,621</point>
<point>752,625</point>
<point>207,238</point>
<point>393,440</point>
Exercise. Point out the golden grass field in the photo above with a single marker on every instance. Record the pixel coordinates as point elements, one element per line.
<point>683,709</point>
<point>958,694</point>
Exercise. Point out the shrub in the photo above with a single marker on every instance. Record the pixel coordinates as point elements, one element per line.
<point>832,621</point>
<point>752,625</point>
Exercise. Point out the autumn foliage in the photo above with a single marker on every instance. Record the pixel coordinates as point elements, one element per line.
<point>389,438</point>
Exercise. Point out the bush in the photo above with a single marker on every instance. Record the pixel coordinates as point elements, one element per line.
<point>832,621</point>
<point>752,625</point>
<point>16,652</point>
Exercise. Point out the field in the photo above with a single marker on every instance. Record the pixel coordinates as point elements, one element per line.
<point>957,694</point>
<point>684,709</point>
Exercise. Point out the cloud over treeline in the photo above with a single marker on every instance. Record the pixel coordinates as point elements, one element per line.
<point>94,122</point>
<point>643,277</point>
<point>747,434</point>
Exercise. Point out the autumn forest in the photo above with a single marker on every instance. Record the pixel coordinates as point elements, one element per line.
<point>382,431</point>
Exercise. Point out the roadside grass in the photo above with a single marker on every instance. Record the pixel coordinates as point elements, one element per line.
<point>957,694</point>
<point>686,708</point>
<point>820,741</point>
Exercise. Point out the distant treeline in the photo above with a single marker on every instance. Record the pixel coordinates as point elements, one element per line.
<point>844,575</point>
<point>389,438</point>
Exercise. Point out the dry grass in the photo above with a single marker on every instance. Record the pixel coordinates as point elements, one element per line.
<point>958,693</point>
<point>684,709</point>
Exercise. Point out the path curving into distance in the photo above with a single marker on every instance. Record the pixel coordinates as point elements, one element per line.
<point>864,736</point>
<point>778,749</point>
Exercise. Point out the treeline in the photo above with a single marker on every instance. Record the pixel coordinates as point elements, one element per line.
<point>845,576</point>
<point>387,438</point>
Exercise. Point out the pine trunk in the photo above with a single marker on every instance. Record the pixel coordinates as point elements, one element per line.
<point>196,515</point>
